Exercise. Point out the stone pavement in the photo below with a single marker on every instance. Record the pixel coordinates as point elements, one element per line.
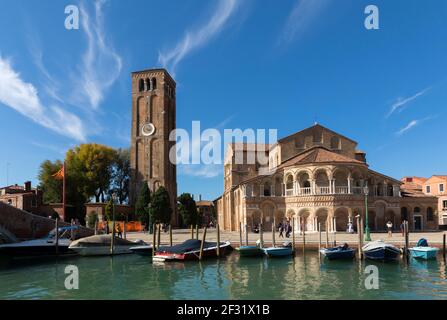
<point>312,239</point>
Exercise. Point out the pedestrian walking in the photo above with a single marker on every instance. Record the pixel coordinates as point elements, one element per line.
<point>389,226</point>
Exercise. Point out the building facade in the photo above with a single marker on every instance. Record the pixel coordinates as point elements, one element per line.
<point>29,199</point>
<point>153,119</point>
<point>318,177</point>
<point>435,186</point>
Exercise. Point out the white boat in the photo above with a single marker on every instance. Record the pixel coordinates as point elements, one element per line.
<point>41,247</point>
<point>379,250</point>
<point>100,245</point>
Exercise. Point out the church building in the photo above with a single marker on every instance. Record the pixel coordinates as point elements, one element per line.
<point>320,177</point>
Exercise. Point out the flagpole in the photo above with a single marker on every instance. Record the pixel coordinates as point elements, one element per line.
<point>63,192</point>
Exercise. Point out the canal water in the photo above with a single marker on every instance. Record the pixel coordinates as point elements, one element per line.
<point>232,277</point>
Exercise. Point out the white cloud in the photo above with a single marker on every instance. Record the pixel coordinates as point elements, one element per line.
<point>101,64</point>
<point>303,14</point>
<point>23,97</point>
<point>402,103</point>
<point>197,38</point>
<point>412,124</point>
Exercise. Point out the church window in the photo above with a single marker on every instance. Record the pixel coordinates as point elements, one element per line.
<point>335,143</point>
<point>141,85</point>
<point>154,83</point>
<point>430,216</point>
<point>148,85</point>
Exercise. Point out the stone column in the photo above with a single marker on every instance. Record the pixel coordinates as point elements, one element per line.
<point>350,183</point>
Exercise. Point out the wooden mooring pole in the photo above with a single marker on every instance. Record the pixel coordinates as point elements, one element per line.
<point>158,235</point>
<point>240,234</point>
<point>154,240</point>
<point>293,235</point>
<point>192,232</point>
<point>57,236</point>
<point>407,241</point>
<point>327,234</point>
<point>96,227</point>
<point>273,232</point>
<point>218,240</point>
<point>261,235</point>
<point>246,234</point>
<point>203,243</point>
<point>124,230</point>
<point>304,235</point>
<point>443,246</point>
<point>197,231</point>
<point>359,232</point>
<point>170,235</point>
<point>319,236</point>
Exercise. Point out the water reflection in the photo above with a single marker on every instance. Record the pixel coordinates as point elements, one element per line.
<point>305,276</point>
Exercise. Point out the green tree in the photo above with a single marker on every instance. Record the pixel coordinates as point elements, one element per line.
<point>95,165</point>
<point>51,187</point>
<point>142,204</point>
<point>188,209</point>
<point>121,175</point>
<point>108,211</point>
<point>160,210</point>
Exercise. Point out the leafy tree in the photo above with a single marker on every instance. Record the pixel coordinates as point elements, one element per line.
<point>121,175</point>
<point>142,204</point>
<point>51,187</point>
<point>94,162</point>
<point>160,210</point>
<point>109,210</point>
<point>188,209</point>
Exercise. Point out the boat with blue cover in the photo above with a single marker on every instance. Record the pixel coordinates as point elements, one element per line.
<point>423,251</point>
<point>380,250</point>
<point>277,252</point>
<point>250,251</point>
<point>338,253</point>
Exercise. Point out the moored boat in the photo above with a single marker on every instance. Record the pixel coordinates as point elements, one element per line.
<point>250,251</point>
<point>338,253</point>
<point>277,252</point>
<point>379,250</point>
<point>143,250</point>
<point>41,247</point>
<point>423,251</point>
<point>286,250</point>
<point>100,245</point>
<point>190,250</point>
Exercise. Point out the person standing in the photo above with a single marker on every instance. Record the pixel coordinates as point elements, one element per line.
<point>402,229</point>
<point>389,226</point>
<point>281,230</point>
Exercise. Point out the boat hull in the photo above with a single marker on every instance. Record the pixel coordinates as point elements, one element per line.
<point>278,252</point>
<point>250,251</point>
<point>142,250</point>
<point>424,253</point>
<point>101,250</point>
<point>337,254</point>
<point>211,252</point>
<point>36,248</point>
<point>384,254</point>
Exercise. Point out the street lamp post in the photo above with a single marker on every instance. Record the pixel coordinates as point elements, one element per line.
<point>112,243</point>
<point>367,234</point>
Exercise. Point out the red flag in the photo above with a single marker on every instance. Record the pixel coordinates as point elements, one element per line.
<point>60,174</point>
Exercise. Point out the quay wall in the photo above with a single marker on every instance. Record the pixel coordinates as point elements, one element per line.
<point>25,225</point>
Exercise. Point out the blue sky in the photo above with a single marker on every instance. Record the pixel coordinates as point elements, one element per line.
<point>238,64</point>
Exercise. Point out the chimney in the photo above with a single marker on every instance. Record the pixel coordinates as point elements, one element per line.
<point>27,186</point>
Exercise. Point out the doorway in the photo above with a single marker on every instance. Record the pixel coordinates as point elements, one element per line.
<point>417,223</point>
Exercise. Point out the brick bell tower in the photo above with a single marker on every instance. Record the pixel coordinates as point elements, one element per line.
<point>153,119</point>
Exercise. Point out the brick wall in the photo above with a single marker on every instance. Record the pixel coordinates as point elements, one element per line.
<point>25,225</point>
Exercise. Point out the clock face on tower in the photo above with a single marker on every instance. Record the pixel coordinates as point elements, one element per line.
<point>148,129</point>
